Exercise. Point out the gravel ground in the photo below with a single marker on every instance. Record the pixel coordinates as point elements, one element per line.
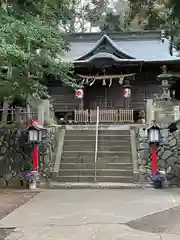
<point>9,201</point>
<point>167,221</point>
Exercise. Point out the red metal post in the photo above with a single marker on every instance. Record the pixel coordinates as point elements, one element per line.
<point>35,155</point>
<point>154,157</point>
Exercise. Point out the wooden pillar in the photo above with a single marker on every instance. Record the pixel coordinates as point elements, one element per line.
<point>127,103</point>
<point>105,97</point>
<point>82,104</point>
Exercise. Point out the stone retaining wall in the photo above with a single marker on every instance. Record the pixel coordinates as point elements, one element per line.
<point>168,156</point>
<point>15,153</point>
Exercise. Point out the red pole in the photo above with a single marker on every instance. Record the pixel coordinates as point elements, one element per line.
<point>154,158</point>
<point>35,155</point>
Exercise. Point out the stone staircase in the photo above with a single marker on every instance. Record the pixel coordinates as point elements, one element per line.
<point>114,158</point>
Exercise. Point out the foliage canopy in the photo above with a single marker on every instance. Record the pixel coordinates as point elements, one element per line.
<point>31,46</point>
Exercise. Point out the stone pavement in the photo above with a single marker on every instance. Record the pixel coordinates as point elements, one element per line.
<point>94,214</point>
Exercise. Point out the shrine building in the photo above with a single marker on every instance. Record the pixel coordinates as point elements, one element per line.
<point>118,72</point>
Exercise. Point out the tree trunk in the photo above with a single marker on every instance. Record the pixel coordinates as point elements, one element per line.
<point>5,110</point>
<point>28,110</point>
<point>6,100</point>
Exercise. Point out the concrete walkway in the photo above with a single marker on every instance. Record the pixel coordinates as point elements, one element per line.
<point>89,214</point>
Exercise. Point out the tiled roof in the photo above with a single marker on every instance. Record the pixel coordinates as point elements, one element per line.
<point>148,50</point>
<point>142,49</point>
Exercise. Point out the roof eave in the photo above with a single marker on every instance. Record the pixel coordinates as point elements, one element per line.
<point>135,61</point>
<point>116,60</point>
<point>162,61</point>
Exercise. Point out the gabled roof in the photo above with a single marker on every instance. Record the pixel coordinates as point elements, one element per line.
<point>145,46</point>
<point>110,48</point>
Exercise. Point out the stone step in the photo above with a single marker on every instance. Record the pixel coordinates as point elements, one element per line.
<point>81,158</point>
<point>90,159</point>
<point>112,148</point>
<point>91,172</point>
<point>124,166</point>
<point>114,172</point>
<point>116,159</point>
<point>113,179</point>
<point>102,154</point>
<point>79,138</point>
<point>100,132</point>
<point>101,142</point>
<point>98,185</point>
<point>114,132</point>
<point>119,179</point>
<point>76,172</point>
<point>75,179</point>
<point>93,137</point>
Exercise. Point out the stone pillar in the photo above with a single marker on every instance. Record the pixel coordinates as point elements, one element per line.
<point>134,150</point>
<point>43,110</point>
<point>176,112</point>
<point>164,112</point>
<point>149,111</point>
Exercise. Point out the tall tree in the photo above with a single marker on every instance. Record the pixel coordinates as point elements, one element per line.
<point>147,14</point>
<point>174,22</point>
<point>31,45</point>
<point>174,9</point>
<point>107,15</point>
<point>103,15</point>
<point>110,22</point>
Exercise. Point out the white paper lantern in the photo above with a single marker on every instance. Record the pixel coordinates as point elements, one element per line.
<point>154,135</point>
<point>127,92</point>
<point>80,93</point>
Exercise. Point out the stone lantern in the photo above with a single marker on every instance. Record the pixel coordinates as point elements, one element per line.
<point>164,77</point>
<point>164,111</point>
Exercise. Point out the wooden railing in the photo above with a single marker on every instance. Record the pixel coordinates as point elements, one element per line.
<point>105,116</point>
<point>126,115</point>
<point>108,116</point>
<point>93,115</point>
<point>81,116</point>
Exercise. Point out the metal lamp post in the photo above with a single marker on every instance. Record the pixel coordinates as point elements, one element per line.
<point>35,130</point>
<point>34,138</point>
<point>154,136</point>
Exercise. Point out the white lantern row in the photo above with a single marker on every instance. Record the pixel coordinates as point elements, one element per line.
<point>80,93</point>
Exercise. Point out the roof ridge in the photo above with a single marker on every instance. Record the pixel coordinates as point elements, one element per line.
<point>95,36</point>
